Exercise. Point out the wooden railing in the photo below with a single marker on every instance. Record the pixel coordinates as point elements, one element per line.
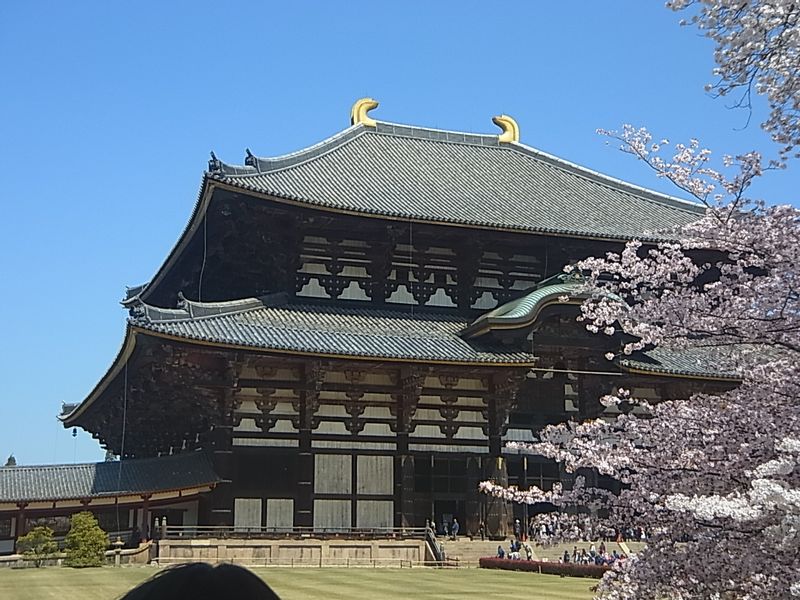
<point>221,532</point>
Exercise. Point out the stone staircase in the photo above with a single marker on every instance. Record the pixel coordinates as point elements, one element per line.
<point>467,552</point>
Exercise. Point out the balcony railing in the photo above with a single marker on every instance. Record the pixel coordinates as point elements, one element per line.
<point>246,532</point>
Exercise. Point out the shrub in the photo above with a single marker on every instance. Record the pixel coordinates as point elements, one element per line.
<point>38,544</point>
<point>86,542</point>
<point>549,568</point>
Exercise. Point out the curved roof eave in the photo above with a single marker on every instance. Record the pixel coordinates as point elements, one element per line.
<point>118,364</point>
<point>196,218</point>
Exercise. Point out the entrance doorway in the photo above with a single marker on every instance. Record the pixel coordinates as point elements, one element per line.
<point>444,512</point>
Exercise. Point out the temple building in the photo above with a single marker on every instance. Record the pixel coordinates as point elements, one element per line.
<point>348,335</point>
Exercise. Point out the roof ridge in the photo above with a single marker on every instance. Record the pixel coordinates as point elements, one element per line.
<point>256,165</point>
<point>608,180</point>
<point>61,466</point>
<point>194,310</point>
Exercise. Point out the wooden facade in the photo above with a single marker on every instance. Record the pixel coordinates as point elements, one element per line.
<point>338,436</point>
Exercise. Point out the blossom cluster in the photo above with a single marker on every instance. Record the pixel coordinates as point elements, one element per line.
<point>757,50</point>
<point>716,478</point>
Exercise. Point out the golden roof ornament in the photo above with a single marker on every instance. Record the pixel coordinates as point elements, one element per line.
<point>358,114</point>
<point>509,127</point>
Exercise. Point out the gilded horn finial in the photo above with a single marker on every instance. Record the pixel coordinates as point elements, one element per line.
<point>509,127</point>
<point>358,114</point>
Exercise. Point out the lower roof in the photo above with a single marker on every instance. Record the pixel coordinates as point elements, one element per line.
<point>106,479</point>
<point>274,324</point>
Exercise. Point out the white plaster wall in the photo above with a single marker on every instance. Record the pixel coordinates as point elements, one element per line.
<point>374,513</point>
<point>330,514</point>
<point>377,412</point>
<point>470,433</point>
<point>246,513</point>
<point>440,298</point>
<point>313,290</point>
<point>353,292</point>
<point>265,443</point>
<point>401,296</point>
<point>427,431</point>
<point>352,445</point>
<point>519,435</point>
<point>377,429</point>
<point>331,410</point>
<point>283,426</point>
<point>332,427</point>
<point>332,474</point>
<point>486,301</point>
<point>454,449</point>
<point>280,513</point>
<point>375,475</point>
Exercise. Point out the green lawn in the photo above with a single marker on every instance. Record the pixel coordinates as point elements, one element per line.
<point>302,583</point>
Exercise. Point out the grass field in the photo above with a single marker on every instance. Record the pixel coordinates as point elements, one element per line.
<point>301,583</point>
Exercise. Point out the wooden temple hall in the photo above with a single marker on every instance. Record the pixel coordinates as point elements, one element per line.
<point>347,336</point>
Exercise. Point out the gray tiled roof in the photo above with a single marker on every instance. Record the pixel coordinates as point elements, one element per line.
<point>430,175</point>
<point>271,323</point>
<point>687,362</point>
<point>325,330</point>
<point>522,311</point>
<point>131,476</point>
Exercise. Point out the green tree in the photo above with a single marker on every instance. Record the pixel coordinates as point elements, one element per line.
<point>86,542</point>
<point>38,544</point>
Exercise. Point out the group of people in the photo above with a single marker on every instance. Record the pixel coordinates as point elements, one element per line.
<point>516,551</point>
<point>449,530</point>
<point>594,556</point>
<point>546,527</point>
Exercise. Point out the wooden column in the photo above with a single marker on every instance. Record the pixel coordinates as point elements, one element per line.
<point>221,442</point>
<point>19,528</point>
<point>312,377</point>
<point>501,399</point>
<point>590,389</point>
<point>410,382</point>
<point>144,527</point>
<point>221,497</point>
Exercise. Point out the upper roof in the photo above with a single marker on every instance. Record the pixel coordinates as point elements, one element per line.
<point>404,172</point>
<point>117,478</point>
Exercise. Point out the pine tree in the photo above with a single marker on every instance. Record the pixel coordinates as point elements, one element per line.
<point>38,544</point>
<point>86,542</point>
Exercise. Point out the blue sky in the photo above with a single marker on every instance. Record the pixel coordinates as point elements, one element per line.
<point>108,111</point>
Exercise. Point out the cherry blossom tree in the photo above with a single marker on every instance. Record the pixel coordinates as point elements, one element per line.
<point>715,478</point>
<point>757,50</point>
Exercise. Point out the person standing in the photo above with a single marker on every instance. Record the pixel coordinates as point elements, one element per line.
<point>454,529</point>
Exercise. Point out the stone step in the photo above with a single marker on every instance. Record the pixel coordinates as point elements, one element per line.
<point>467,552</point>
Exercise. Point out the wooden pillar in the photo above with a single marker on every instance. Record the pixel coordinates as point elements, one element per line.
<point>472,507</point>
<point>467,269</point>
<point>221,497</point>
<point>21,525</point>
<point>501,399</point>
<point>220,501</point>
<point>144,527</point>
<point>410,382</point>
<point>312,378</point>
<point>590,390</point>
